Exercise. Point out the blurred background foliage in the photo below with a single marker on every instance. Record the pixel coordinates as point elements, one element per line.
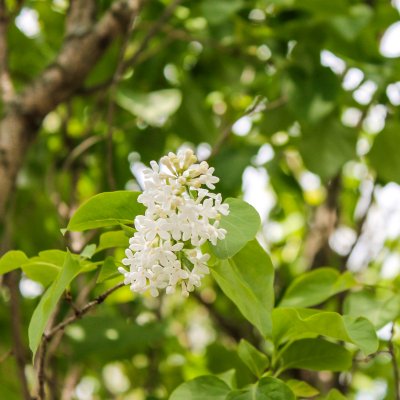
<point>294,102</point>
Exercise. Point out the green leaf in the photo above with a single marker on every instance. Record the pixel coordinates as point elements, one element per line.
<point>325,147</point>
<point>334,394</point>
<point>108,270</point>
<point>194,120</point>
<point>204,387</point>
<point>379,307</point>
<point>301,388</point>
<point>315,355</point>
<point>229,377</point>
<point>253,358</point>
<point>311,94</point>
<point>112,239</point>
<point>384,153</point>
<point>45,267</point>
<point>40,271</point>
<point>350,26</point>
<point>11,260</point>
<point>299,323</point>
<point>154,107</point>
<point>105,209</point>
<point>217,11</point>
<point>266,388</point>
<point>315,287</point>
<point>247,279</point>
<point>88,251</point>
<point>49,301</point>
<point>241,224</point>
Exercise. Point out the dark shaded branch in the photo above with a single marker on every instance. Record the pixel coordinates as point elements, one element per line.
<point>396,375</point>
<point>80,52</point>
<point>11,281</point>
<point>6,86</point>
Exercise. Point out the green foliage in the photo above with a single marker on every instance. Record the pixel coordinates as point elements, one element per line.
<point>106,209</point>
<point>12,260</point>
<point>49,301</point>
<point>295,323</point>
<point>253,358</point>
<point>152,107</point>
<point>241,224</point>
<point>314,287</point>
<point>266,388</point>
<point>306,160</point>
<point>301,388</point>
<point>209,387</point>
<point>384,156</point>
<point>112,239</point>
<point>247,279</point>
<point>316,355</point>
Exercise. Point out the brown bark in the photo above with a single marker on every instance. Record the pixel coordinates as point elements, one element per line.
<point>85,42</point>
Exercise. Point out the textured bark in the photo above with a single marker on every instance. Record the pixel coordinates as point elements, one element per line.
<point>85,42</point>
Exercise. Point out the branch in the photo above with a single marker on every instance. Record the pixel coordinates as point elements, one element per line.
<point>6,86</point>
<point>79,313</point>
<point>18,346</point>
<point>132,61</point>
<point>80,17</point>
<point>81,50</point>
<point>152,32</point>
<point>396,375</point>
<point>258,105</point>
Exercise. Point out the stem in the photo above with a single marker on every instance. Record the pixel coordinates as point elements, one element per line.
<point>396,375</point>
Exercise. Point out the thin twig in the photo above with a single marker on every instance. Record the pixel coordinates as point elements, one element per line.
<point>18,346</point>
<point>6,86</point>
<point>121,67</point>
<point>41,370</point>
<point>70,383</point>
<point>396,375</point>
<point>134,59</point>
<point>151,33</point>
<point>255,107</point>
<point>79,313</point>
<point>6,355</point>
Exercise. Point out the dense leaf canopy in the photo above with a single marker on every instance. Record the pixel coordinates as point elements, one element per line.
<point>295,105</point>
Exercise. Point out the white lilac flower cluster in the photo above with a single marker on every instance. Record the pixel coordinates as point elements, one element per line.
<point>181,215</point>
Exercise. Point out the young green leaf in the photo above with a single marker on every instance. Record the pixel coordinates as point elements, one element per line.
<point>45,267</point>
<point>266,388</point>
<point>334,394</point>
<point>256,361</point>
<point>112,239</point>
<point>315,355</point>
<point>302,389</point>
<point>108,270</point>
<point>380,307</point>
<point>88,251</point>
<point>204,387</point>
<point>153,107</point>
<point>299,323</point>
<point>106,209</point>
<point>315,287</point>
<point>49,301</point>
<point>12,260</point>
<point>247,279</point>
<point>241,224</point>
